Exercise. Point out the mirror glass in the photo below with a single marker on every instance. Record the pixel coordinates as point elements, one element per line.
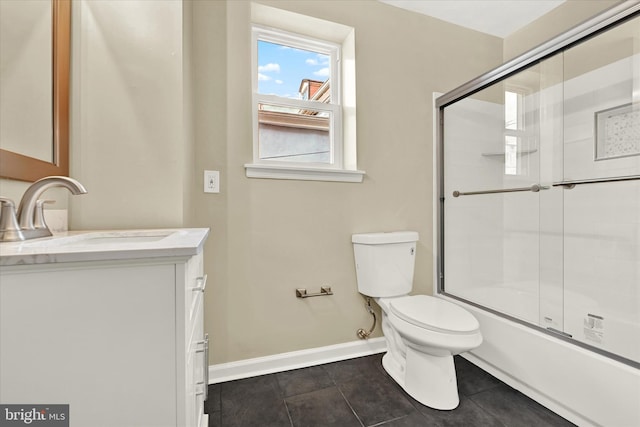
<point>34,82</point>
<point>26,79</point>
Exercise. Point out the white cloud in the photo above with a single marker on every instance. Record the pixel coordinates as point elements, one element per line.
<point>269,67</point>
<point>279,82</point>
<point>320,59</point>
<point>263,77</point>
<point>322,72</point>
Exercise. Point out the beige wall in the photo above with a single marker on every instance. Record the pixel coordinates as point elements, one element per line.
<point>128,131</point>
<point>209,71</point>
<point>272,236</point>
<point>554,23</point>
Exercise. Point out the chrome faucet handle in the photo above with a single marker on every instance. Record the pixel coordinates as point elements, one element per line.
<point>9,229</point>
<point>38,220</point>
<point>27,208</point>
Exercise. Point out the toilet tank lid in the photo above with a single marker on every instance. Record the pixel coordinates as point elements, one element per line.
<point>385,238</point>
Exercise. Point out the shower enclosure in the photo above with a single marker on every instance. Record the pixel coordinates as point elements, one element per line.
<point>539,217</point>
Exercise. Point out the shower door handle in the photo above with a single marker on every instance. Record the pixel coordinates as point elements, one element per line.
<point>571,184</point>
<point>534,188</point>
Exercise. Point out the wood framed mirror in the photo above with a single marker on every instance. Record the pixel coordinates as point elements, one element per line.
<point>21,166</point>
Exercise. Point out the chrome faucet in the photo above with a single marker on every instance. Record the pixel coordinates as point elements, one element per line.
<point>28,222</point>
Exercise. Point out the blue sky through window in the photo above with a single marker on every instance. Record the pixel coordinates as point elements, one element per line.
<point>282,68</point>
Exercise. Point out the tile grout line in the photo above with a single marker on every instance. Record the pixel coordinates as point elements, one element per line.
<point>286,407</point>
<point>388,421</point>
<point>282,393</point>
<point>350,407</point>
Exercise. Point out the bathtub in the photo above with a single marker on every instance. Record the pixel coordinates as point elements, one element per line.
<point>519,300</point>
<point>582,386</point>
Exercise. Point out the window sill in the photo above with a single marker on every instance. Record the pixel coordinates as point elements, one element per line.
<point>302,173</point>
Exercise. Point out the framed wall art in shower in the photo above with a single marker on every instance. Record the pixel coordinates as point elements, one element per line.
<point>617,132</point>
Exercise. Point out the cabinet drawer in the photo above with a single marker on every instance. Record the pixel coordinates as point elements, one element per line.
<point>196,362</point>
<point>201,378</point>
<point>194,290</point>
<point>196,298</point>
<point>195,331</point>
<point>197,372</point>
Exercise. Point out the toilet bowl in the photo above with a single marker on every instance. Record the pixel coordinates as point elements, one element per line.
<point>423,333</point>
<point>428,333</point>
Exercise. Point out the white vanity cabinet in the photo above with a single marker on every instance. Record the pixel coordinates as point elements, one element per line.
<point>121,341</point>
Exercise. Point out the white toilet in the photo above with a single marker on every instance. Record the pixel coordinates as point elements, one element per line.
<point>423,333</point>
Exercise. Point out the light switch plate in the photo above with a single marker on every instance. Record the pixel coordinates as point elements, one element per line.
<point>211,181</point>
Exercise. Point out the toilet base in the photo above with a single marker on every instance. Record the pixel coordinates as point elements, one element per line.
<point>431,380</point>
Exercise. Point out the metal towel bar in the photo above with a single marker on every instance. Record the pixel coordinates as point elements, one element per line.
<point>534,188</point>
<point>324,290</point>
<point>572,184</point>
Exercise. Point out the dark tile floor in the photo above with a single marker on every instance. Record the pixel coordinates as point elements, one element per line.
<point>358,392</point>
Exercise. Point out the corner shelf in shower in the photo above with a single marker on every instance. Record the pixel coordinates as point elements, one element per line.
<point>501,154</point>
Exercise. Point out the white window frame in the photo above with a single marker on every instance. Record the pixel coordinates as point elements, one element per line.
<point>342,163</point>
<point>332,50</point>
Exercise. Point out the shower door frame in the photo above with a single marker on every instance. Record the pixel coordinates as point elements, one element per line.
<point>588,29</point>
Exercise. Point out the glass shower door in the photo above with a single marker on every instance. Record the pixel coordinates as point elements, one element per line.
<point>602,213</point>
<point>540,190</point>
<point>497,183</point>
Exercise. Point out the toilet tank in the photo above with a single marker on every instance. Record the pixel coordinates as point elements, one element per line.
<point>385,262</point>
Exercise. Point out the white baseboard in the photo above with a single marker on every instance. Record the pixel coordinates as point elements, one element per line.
<point>294,360</point>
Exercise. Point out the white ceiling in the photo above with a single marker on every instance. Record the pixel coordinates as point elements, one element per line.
<point>496,17</point>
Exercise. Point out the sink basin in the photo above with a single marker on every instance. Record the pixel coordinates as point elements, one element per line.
<point>101,238</point>
<point>119,238</point>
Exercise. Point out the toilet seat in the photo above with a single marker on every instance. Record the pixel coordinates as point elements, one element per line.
<point>434,314</point>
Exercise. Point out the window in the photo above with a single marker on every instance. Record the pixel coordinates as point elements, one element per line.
<point>298,99</point>
<point>299,102</point>
<point>513,126</point>
<point>516,137</point>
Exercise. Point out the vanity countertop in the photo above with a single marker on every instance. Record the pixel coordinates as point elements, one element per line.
<point>80,246</point>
